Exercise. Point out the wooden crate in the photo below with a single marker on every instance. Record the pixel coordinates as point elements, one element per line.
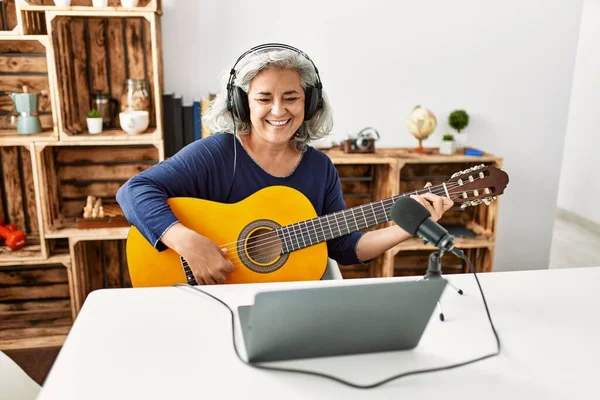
<point>98,54</point>
<point>11,27</point>
<point>410,263</point>
<point>35,305</point>
<point>86,6</point>
<point>19,203</point>
<point>362,184</point>
<point>70,173</point>
<point>24,62</point>
<point>481,219</point>
<point>97,264</point>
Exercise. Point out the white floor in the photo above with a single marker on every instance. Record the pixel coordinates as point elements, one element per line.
<point>574,245</point>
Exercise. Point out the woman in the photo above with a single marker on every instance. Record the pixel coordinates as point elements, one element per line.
<point>267,105</point>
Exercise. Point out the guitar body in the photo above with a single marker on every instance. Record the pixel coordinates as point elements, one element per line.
<point>246,229</point>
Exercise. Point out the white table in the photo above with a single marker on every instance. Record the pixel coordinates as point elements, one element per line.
<point>173,343</point>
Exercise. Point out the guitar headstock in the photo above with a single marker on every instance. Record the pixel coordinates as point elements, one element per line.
<point>476,185</point>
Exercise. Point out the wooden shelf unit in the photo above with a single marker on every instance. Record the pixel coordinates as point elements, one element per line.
<point>46,177</point>
<point>25,61</point>
<point>388,172</point>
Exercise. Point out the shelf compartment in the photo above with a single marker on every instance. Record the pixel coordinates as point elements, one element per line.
<point>19,203</point>
<point>11,27</point>
<point>35,305</point>
<point>24,61</point>
<point>480,218</point>
<point>70,173</point>
<point>109,51</point>
<point>415,262</point>
<point>97,264</point>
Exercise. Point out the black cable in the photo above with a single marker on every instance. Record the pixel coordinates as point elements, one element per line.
<point>457,252</point>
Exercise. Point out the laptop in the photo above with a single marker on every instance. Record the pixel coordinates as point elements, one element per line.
<point>329,321</point>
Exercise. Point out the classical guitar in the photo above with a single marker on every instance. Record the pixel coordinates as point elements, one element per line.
<point>266,242</point>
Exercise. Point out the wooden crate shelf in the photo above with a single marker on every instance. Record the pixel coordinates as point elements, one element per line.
<point>97,264</point>
<point>72,173</point>
<point>114,49</point>
<point>19,201</point>
<point>35,305</point>
<point>12,27</point>
<point>83,6</point>
<point>415,262</point>
<point>67,55</point>
<point>24,61</point>
<point>387,172</point>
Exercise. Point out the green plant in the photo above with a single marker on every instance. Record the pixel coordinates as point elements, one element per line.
<point>458,119</point>
<point>448,137</point>
<point>94,114</point>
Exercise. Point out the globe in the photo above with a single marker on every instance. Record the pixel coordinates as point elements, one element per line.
<point>421,123</point>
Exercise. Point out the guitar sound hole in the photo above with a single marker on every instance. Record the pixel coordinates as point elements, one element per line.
<point>263,246</point>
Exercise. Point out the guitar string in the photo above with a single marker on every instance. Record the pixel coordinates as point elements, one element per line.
<point>235,259</point>
<point>301,234</point>
<point>292,233</point>
<point>311,235</point>
<point>276,243</point>
<point>437,190</point>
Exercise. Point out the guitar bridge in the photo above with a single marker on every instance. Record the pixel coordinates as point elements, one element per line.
<point>188,272</point>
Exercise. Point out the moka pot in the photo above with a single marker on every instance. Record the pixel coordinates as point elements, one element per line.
<point>26,105</point>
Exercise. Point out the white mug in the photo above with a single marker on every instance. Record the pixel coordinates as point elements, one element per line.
<point>134,121</point>
<point>129,3</point>
<point>62,3</point>
<point>100,3</point>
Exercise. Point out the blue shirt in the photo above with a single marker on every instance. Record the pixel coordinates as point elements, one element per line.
<point>204,169</point>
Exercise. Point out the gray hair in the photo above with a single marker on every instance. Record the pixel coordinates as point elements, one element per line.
<point>218,118</point>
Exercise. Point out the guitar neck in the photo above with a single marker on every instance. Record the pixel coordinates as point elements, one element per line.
<point>317,230</point>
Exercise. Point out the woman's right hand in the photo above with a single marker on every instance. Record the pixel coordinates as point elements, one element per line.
<point>206,260</point>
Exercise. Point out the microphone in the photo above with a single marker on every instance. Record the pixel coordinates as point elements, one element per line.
<point>411,216</point>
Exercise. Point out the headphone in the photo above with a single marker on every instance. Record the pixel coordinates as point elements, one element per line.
<point>237,98</point>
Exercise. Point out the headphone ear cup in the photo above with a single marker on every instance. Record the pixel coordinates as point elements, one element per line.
<point>240,104</point>
<point>312,101</point>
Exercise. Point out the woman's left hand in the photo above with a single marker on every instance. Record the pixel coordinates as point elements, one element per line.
<point>436,205</point>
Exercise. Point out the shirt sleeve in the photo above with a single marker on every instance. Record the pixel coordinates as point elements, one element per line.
<point>143,198</point>
<point>342,249</point>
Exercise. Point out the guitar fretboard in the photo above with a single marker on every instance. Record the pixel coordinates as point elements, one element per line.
<point>310,232</point>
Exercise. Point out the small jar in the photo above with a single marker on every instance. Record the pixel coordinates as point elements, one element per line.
<point>136,95</point>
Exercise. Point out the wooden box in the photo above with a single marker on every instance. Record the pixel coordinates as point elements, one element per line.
<point>24,62</point>
<point>415,262</point>
<point>11,27</point>
<point>480,219</point>
<point>35,305</point>
<point>97,55</point>
<point>70,173</point>
<point>97,264</point>
<point>19,204</point>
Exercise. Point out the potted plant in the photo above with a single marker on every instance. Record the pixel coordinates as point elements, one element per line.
<point>62,3</point>
<point>94,122</point>
<point>447,145</point>
<point>459,120</point>
<point>100,3</point>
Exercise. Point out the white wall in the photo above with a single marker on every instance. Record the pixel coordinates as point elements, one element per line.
<point>509,63</point>
<point>579,189</point>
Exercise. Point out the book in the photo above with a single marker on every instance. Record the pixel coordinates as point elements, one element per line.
<point>168,122</point>
<point>188,124</point>
<point>196,110</point>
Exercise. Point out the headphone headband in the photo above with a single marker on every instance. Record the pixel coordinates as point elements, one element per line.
<point>263,46</point>
<point>237,100</point>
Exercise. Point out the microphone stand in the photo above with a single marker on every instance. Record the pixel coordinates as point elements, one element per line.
<point>434,271</point>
